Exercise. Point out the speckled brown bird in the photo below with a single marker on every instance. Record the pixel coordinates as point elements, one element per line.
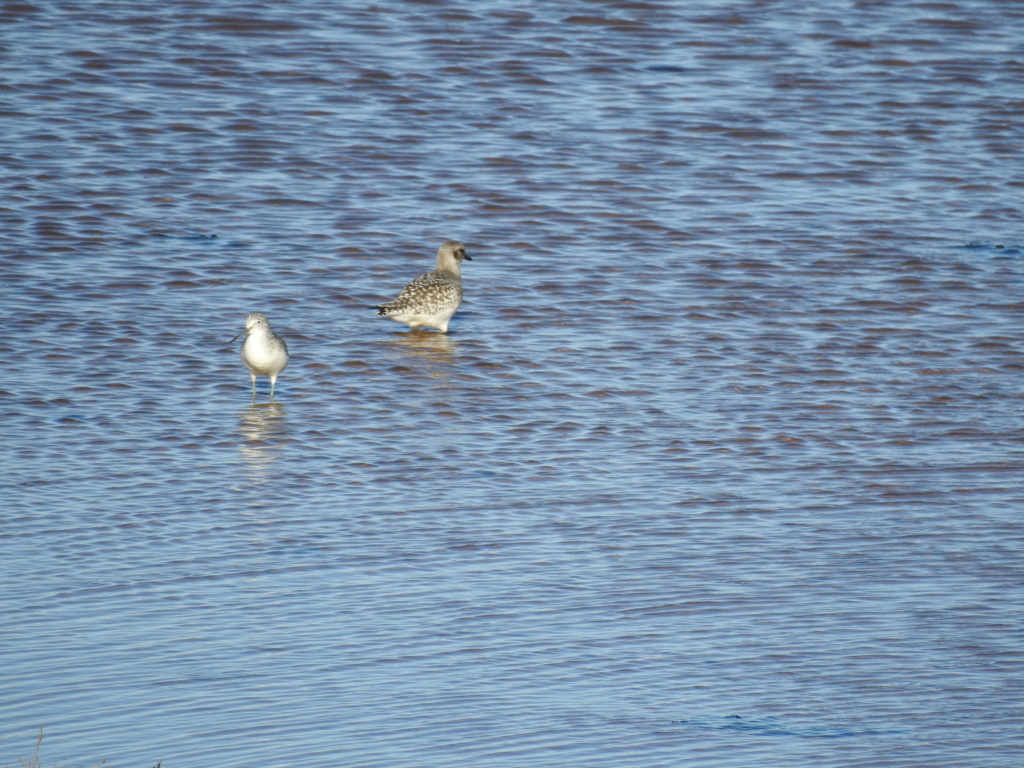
<point>431,299</point>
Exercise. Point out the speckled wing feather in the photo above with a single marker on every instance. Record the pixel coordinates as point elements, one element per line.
<point>426,294</point>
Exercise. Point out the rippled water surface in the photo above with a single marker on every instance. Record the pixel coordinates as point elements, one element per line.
<point>720,465</point>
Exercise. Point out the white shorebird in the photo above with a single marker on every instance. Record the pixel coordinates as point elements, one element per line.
<point>263,351</point>
<point>431,299</point>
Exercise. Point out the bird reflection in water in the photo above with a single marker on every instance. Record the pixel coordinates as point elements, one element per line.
<point>259,425</point>
<point>437,350</point>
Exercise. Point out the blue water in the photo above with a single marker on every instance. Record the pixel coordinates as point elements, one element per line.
<point>720,464</point>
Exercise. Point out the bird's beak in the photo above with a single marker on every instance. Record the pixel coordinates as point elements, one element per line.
<point>233,340</point>
<point>467,257</point>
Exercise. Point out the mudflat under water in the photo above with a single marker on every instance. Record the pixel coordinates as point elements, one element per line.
<point>720,465</point>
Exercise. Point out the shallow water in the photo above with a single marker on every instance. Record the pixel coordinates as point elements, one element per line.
<point>719,466</point>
